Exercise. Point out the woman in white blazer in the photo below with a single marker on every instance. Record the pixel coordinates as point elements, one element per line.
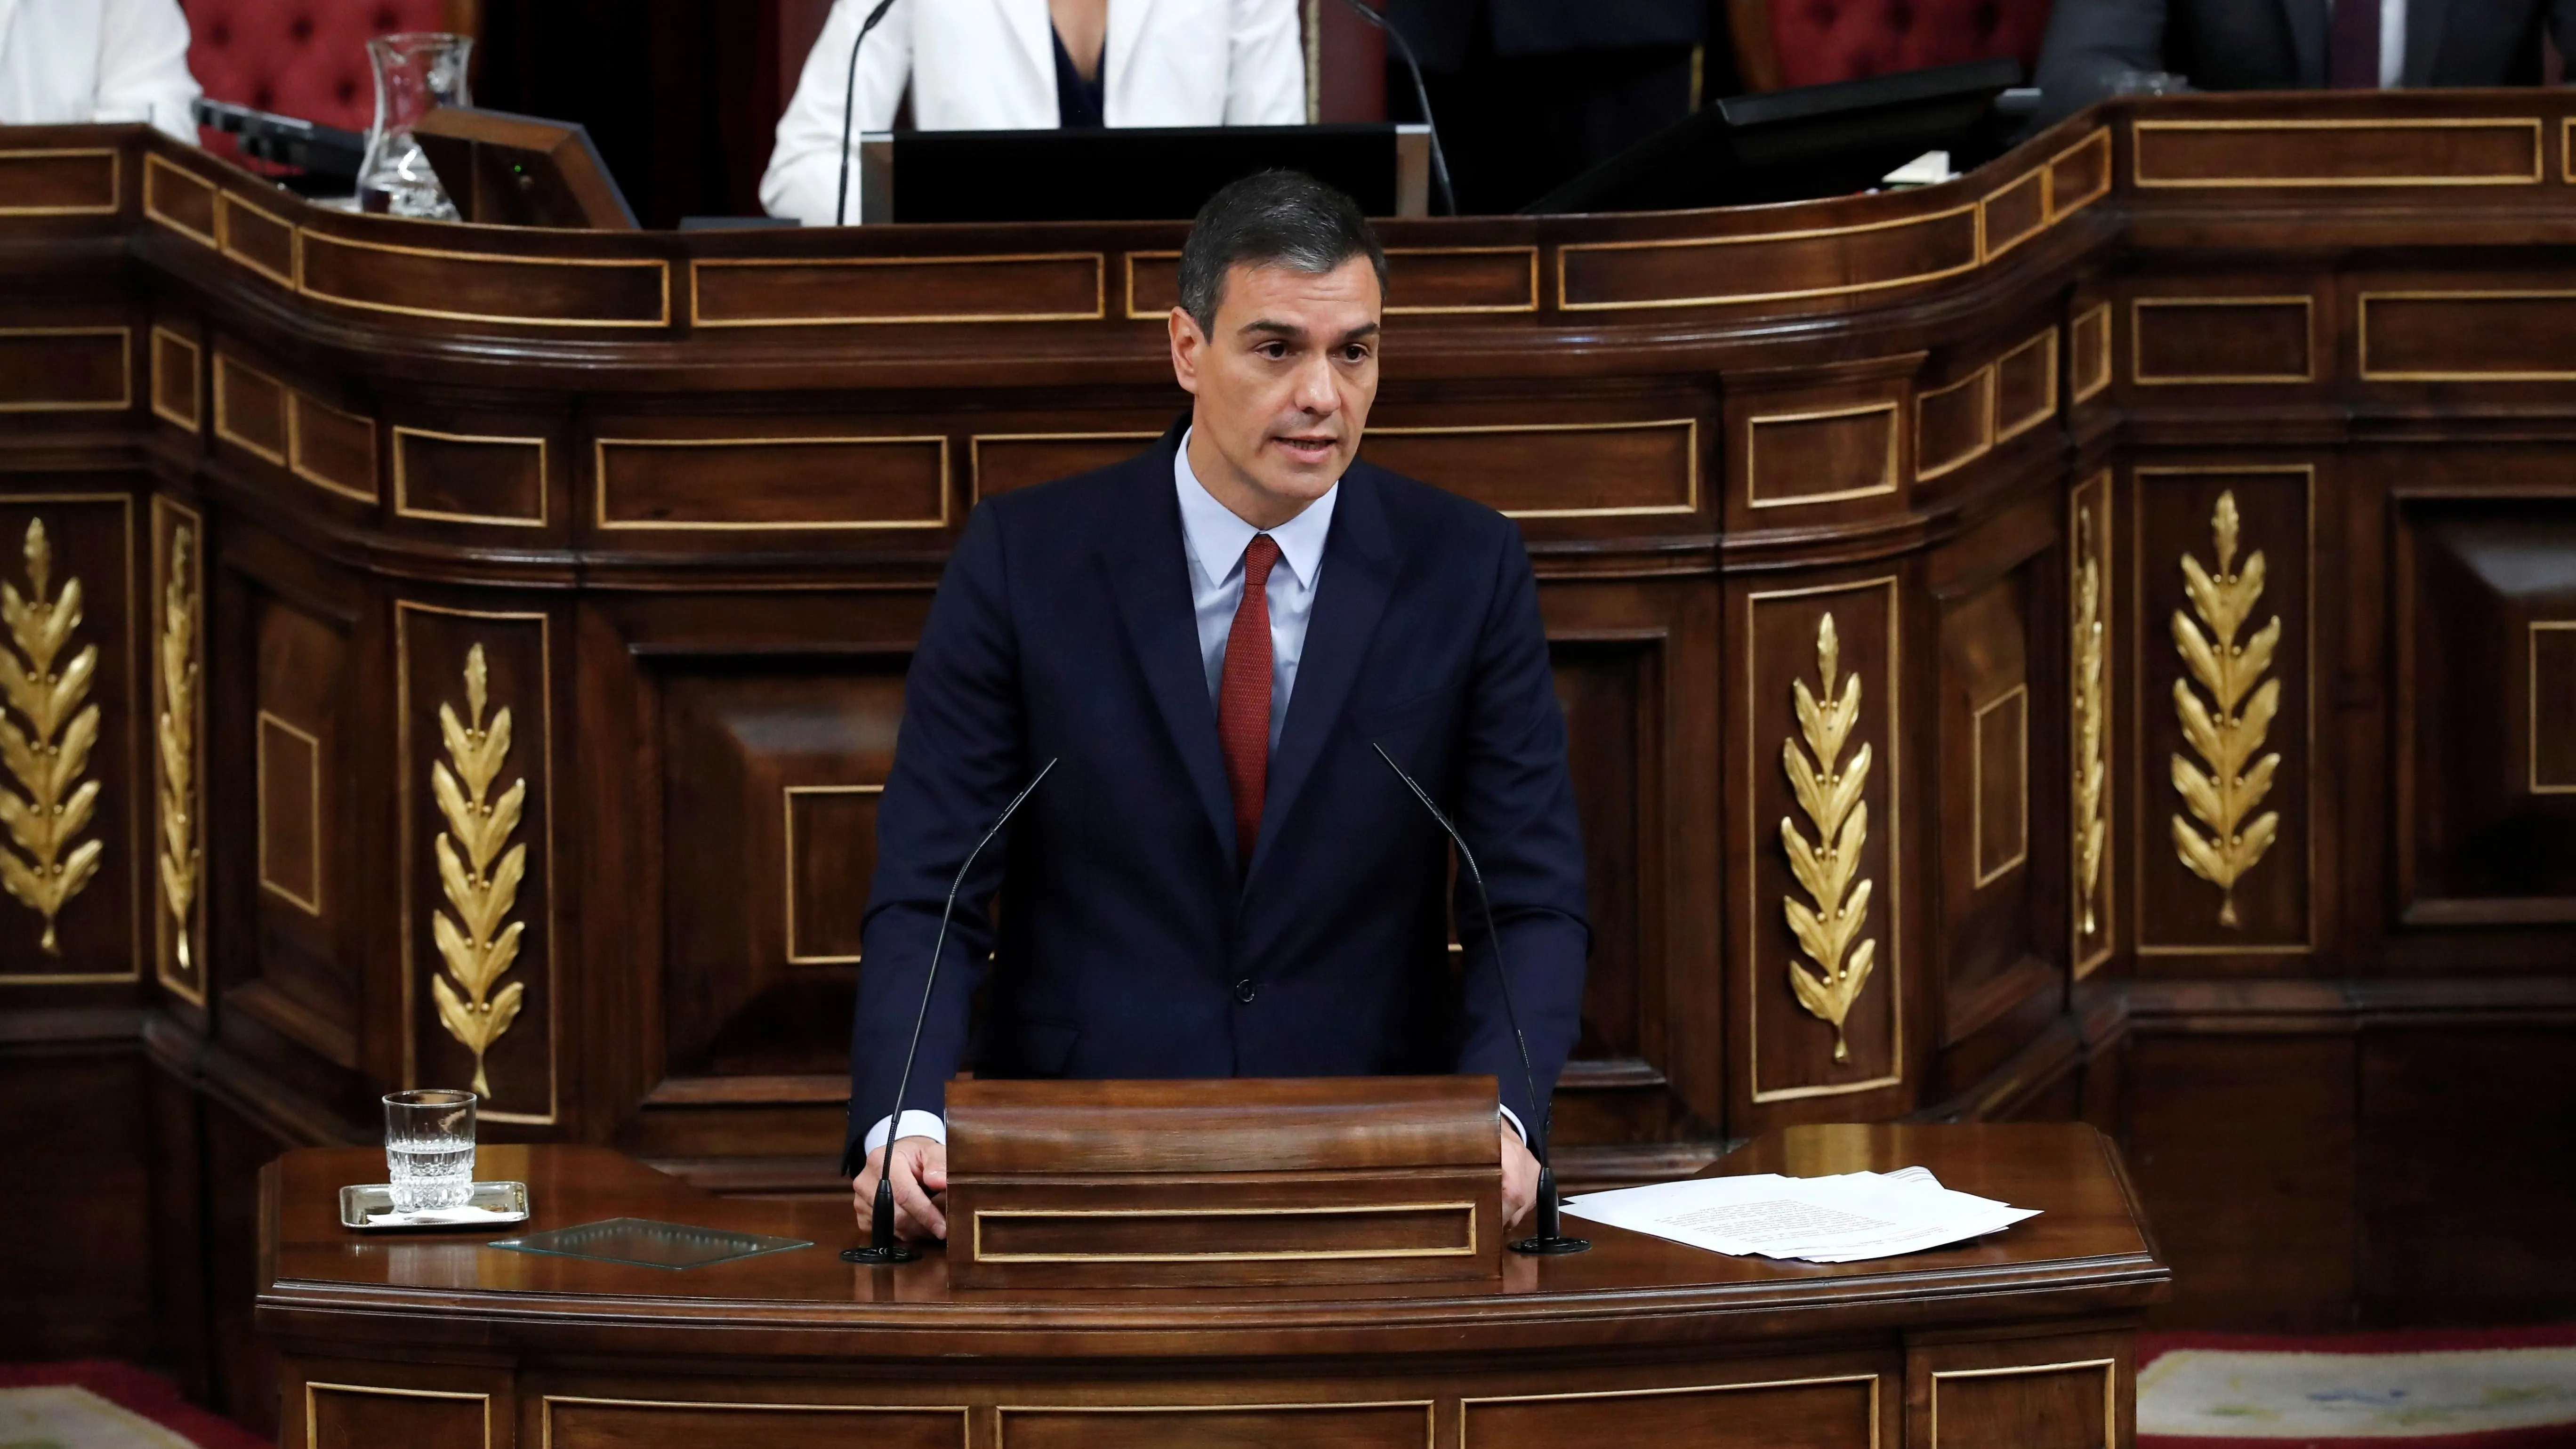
<point>991,65</point>
<point>98,60</point>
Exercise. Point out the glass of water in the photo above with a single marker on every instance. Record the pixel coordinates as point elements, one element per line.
<point>429,1148</point>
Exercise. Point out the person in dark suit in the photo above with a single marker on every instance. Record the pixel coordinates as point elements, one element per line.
<point>2095,48</point>
<point>1221,877</point>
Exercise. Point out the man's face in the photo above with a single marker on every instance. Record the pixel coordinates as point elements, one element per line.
<point>1283,384</point>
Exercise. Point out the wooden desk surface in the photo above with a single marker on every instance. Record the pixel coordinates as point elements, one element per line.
<point>2088,1253</point>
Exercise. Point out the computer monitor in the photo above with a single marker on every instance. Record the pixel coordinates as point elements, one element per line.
<point>508,170</point>
<point>1800,144</point>
<point>1126,173</point>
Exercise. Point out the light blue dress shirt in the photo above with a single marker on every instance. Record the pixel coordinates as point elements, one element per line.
<point>1215,540</point>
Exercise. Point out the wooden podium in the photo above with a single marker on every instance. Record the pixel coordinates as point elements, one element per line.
<point>2023,1338</point>
<point>1212,1184</point>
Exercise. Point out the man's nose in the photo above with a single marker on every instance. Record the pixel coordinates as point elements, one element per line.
<point>1317,392</point>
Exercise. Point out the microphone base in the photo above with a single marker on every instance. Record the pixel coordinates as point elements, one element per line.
<point>886,1256</point>
<point>1553,1247</point>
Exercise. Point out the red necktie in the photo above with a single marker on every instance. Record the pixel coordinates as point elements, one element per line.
<point>1243,699</point>
<point>2352,46</point>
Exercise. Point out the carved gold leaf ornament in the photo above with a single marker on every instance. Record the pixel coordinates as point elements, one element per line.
<point>479,943</point>
<point>2224,735</point>
<point>46,734</point>
<point>1830,796</point>
<point>2092,753</point>
<point>177,737</point>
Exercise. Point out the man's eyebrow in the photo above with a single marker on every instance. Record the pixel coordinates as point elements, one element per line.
<point>1363,331</point>
<point>1274,329</point>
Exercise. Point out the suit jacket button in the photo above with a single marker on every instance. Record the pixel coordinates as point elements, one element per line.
<point>1243,991</point>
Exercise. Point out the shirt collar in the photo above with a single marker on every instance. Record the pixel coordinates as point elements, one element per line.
<point>1217,537</point>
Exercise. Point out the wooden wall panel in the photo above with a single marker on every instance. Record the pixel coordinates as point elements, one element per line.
<point>299,982</point>
<point>1627,469</point>
<point>581,1423</point>
<point>770,484</point>
<point>66,369</point>
<point>1285,1426</point>
<point>80,1284</point>
<point>2212,340</point>
<point>2259,900</point>
<point>2487,689</point>
<point>61,181</point>
<point>1807,1413</point>
<point>2445,151</point>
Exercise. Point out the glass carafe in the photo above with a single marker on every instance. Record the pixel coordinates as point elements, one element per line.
<point>415,74</point>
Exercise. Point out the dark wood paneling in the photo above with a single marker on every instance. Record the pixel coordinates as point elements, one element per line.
<point>470,478</point>
<point>2214,340</point>
<point>2446,151</point>
<point>2244,1149</point>
<point>352,1418</point>
<point>79,1283</point>
<point>1025,287</point>
<point>1319,1426</point>
<point>771,483</point>
<point>606,1424</point>
<point>1822,455</point>
<point>1838,1413</point>
<point>66,369</point>
<point>59,182</point>
<point>1640,469</point>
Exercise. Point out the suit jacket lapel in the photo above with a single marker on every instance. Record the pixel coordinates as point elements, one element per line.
<point>2308,36</point>
<point>2423,40</point>
<point>1034,29</point>
<point>1357,576</point>
<point>1149,572</point>
<point>1118,54</point>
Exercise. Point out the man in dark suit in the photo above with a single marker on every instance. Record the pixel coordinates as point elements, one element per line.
<point>1221,877</point>
<point>2094,47</point>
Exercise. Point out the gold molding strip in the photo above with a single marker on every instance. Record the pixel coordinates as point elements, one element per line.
<point>1466,1404</point>
<point>403,609</point>
<point>175,736</point>
<point>2531,635</point>
<point>402,504</point>
<point>296,402</point>
<point>225,201</point>
<point>2006,432</point>
<point>115,181</point>
<point>1393,309</point>
<point>225,365</point>
<point>2218,732</point>
<point>155,168</point>
<point>2098,316</point>
<point>1831,798</point>
<point>179,682</point>
<point>546,1410</point>
<point>2362,328</point>
<point>787,799</point>
<point>313,802</point>
<point>47,755</point>
<point>599,487</point>
<point>307,237</point>
<point>1891,477</point>
<point>480,879</point>
<point>1002,1413</point>
<point>1983,377</point>
<point>1099,273</point>
<point>2090,729</point>
<point>2060,208</point>
<point>975,451</point>
<point>1690,445</point>
<point>1468,1250</point>
<point>124,370</point>
<point>2038,176</point>
<point>1975,259</point>
<point>1134,315</point>
<point>2142,129</point>
<point>1977,785</point>
<point>1754,914</point>
<point>2137,353</point>
<point>196,373</point>
<point>2110,1390</point>
<point>312,1430</point>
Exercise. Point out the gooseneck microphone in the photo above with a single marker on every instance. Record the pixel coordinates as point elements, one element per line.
<point>882,1247</point>
<point>1422,98</point>
<point>1548,1240</point>
<point>849,108</point>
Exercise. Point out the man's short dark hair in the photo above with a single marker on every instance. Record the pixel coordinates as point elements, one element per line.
<point>1272,219</point>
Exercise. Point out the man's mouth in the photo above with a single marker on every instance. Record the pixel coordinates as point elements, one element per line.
<point>1307,448</point>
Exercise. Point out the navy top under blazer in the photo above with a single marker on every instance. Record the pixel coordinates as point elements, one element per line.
<point>1130,941</point>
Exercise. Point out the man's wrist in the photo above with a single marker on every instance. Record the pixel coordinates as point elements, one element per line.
<point>915,1124</point>
<point>1512,1120</point>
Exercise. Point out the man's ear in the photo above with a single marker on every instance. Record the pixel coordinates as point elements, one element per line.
<point>1189,346</point>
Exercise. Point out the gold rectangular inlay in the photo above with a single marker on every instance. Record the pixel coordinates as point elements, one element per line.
<point>1464,1250</point>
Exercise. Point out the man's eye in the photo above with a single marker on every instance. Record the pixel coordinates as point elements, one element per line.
<point>1355,353</point>
<point>1273,350</point>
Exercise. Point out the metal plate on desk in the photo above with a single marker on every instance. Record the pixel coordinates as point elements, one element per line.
<point>649,1244</point>
<point>369,1207</point>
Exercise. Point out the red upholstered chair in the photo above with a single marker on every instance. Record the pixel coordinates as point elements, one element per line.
<point>1808,42</point>
<point>304,58</point>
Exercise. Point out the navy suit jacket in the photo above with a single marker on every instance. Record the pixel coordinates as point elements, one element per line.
<point>1129,941</point>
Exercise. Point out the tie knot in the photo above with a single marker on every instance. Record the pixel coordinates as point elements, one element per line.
<point>1258,556</point>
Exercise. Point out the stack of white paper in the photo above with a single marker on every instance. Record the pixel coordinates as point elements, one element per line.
<point>1818,1219</point>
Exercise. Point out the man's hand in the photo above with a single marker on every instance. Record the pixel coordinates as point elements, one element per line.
<point>921,1188</point>
<point>1520,1178</point>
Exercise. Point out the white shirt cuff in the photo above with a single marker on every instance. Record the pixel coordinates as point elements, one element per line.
<point>1517,1128</point>
<point>915,1124</point>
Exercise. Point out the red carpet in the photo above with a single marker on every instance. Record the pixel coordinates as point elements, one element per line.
<point>2465,1389</point>
<point>110,1405</point>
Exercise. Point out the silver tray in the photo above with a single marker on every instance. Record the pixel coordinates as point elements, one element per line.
<point>369,1208</point>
